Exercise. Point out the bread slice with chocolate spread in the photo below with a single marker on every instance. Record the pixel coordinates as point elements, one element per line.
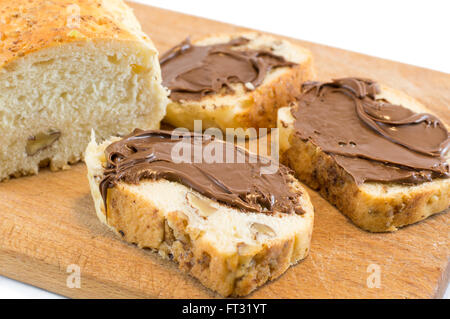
<point>227,90</point>
<point>375,184</point>
<point>231,236</point>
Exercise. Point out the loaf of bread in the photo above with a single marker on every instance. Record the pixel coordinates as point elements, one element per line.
<point>206,86</point>
<point>67,67</point>
<point>377,194</point>
<point>229,249</point>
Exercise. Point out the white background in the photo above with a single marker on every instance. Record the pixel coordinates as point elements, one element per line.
<point>414,32</point>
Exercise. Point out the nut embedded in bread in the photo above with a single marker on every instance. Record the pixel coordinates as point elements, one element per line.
<point>67,67</point>
<point>233,91</point>
<point>232,244</point>
<point>375,153</point>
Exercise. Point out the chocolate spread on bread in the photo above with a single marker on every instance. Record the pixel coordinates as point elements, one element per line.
<point>370,138</point>
<point>237,182</point>
<point>191,72</point>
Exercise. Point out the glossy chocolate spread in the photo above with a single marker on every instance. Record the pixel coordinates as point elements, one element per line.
<point>371,139</point>
<point>237,182</point>
<point>191,72</point>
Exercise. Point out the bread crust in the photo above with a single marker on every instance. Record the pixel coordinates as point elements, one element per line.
<point>30,26</point>
<point>140,222</point>
<point>267,99</point>
<point>385,212</point>
<point>257,108</point>
<point>375,207</point>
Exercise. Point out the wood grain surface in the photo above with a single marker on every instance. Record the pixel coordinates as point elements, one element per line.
<point>47,222</point>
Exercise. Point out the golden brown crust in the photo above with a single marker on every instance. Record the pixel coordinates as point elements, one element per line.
<point>29,26</point>
<point>137,221</point>
<point>267,99</point>
<point>381,212</point>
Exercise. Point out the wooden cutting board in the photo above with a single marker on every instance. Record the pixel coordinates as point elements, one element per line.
<point>47,222</point>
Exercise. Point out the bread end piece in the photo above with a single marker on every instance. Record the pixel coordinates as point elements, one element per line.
<point>227,250</point>
<point>375,207</point>
<point>62,75</point>
<point>246,109</point>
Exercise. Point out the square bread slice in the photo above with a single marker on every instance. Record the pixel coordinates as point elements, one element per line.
<point>246,107</point>
<point>376,207</point>
<point>67,67</point>
<point>227,250</point>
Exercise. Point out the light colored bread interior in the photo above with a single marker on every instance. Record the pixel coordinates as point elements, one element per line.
<point>103,75</point>
<point>229,251</point>
<point>376,207</point>
<point>245,108</point>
